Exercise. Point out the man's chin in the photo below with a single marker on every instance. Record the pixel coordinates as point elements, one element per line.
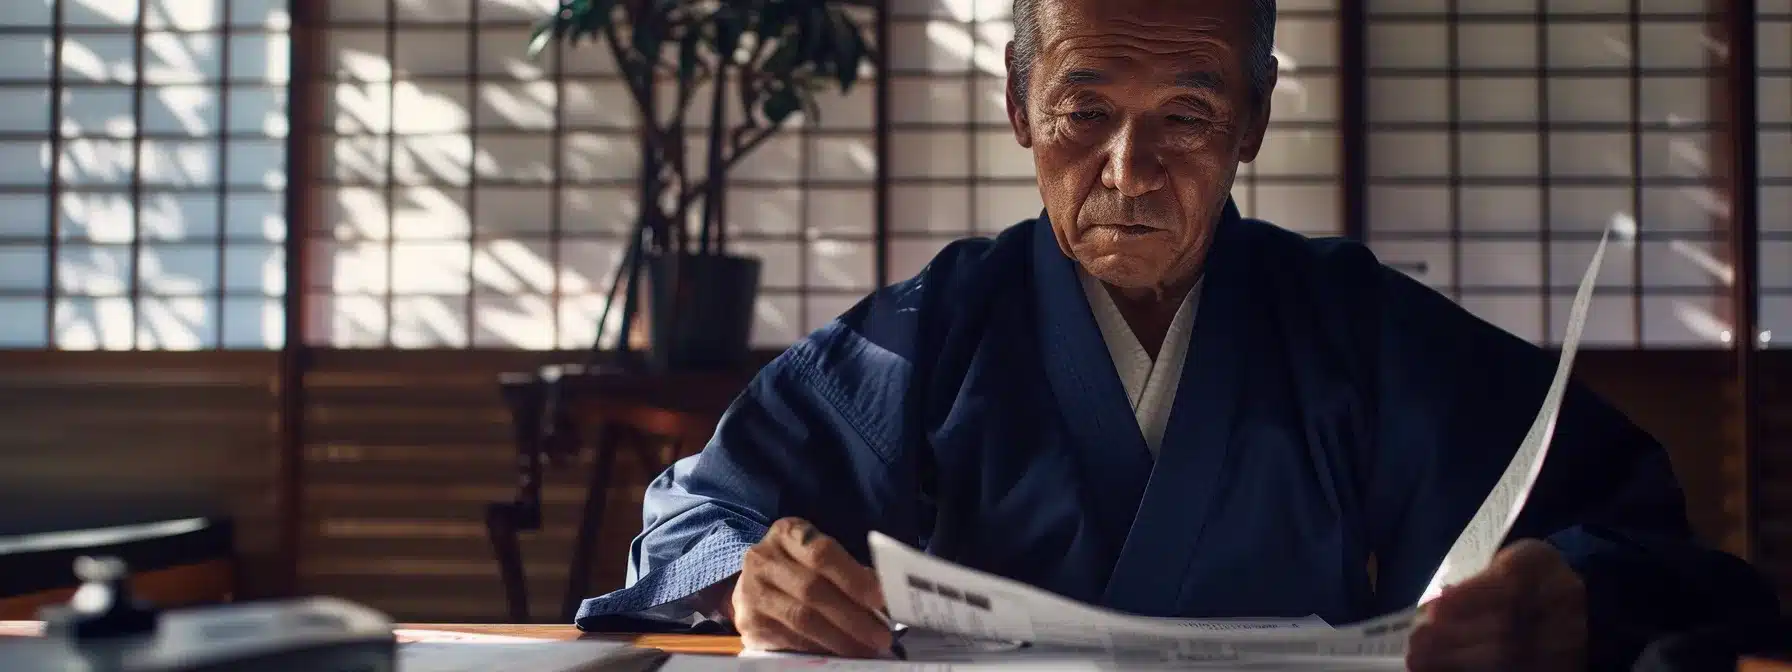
<point>1122,271</point>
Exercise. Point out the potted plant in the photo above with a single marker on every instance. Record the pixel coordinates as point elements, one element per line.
<point>766,58</point>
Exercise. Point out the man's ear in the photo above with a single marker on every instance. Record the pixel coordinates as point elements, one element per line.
<point>1017,110</point>
<point>1253,139</point>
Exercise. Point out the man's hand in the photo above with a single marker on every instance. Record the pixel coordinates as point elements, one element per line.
<point>800,591</point>
<point>1527,611</point>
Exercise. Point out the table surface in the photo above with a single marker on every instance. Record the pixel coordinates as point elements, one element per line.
<point>715,645</point>
<point>478,632</point>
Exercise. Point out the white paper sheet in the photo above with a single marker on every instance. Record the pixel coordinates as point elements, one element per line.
<point>929,593</point>
<point>926,592</point>
<point>792,663</point>
<point>1077,662</point>
<point>1480,539</point>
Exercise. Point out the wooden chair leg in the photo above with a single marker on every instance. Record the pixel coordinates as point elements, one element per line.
<point>597,492</point>
<point>501,527</point>
<point>523,397</point>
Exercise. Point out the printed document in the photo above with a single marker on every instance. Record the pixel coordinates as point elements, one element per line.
<point>928,593</point>
<point>1481,538</point>
<point>1081,664</point>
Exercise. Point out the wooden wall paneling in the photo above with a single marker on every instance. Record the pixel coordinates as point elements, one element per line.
<point>404,450</point>
<point>100,437</point>
<point>1684,398</point>
<point>1773,471</point>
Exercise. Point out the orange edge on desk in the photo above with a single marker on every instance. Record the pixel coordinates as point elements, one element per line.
<point>716,645</point>
<point>197,583</point>
<point>1763,665</point>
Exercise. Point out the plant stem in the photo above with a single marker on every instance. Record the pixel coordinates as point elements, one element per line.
<point>741,150</point>
<point>636,260</point>
<point>714,177</point>
<point>626,268</point>
<point>641,89</point>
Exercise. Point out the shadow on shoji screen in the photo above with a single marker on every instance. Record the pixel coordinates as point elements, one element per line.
<point>956,170</point>
<point>1504,136</point>
<point>478,198</point>
<point>1774,29</point>
<point>142,172</point>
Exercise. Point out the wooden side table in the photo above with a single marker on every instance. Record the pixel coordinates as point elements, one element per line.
<point>553,410</point>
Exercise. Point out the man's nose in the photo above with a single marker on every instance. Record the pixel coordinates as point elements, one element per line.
<point>1133,168</point>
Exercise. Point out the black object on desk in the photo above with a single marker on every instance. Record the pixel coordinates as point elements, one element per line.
<point>104,628</point>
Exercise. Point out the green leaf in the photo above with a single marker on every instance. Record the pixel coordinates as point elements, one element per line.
<point>541,38</point>
<point>592,16</point>
<point>849,51</point>
<point>780,104</point>
<point>575,20</point>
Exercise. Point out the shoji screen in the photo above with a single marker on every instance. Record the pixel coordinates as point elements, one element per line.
<point>1505,135</point>
<point>479,199</point>
<point>956,170</point>
<point>1774,30</point>
<point>142,173</point>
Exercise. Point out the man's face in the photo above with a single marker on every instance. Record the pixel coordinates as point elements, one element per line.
<point>1138,114</point>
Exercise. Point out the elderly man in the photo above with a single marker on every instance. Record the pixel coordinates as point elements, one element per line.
<point>1143,401</point>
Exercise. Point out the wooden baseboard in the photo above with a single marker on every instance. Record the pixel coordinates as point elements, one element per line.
<point>199,583</point>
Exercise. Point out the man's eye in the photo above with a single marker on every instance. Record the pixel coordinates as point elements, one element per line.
<point>1184,119</point>
<point>1086,115</point>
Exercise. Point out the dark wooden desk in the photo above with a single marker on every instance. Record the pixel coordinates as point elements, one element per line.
<point>715,645</point>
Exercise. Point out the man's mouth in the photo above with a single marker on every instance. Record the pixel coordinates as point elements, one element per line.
<point>1130,229</point>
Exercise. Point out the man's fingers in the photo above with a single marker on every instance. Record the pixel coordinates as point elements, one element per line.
<point>1480,594</point>
<point>819,552</point>
<point>823,598</point>
<point>1525,557</point>
<point>769,618</point>
<point>815,622</point>
<point>1480,644</point>
<point>1523,612</point>
<point>1484,629</point>
<point>1535,567</point>
<point>1534,641</point>
<point>818,594</point>
<point>762,633</point>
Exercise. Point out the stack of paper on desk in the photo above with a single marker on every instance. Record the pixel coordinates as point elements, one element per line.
<point>1082,662</point>
<point>933,594</point>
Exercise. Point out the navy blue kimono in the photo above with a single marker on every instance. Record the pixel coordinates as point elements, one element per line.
<point>1330,409</point>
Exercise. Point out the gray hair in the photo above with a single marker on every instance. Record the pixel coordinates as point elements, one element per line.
<point>1259,58</point>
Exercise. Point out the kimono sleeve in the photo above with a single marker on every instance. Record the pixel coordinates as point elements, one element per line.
<point>1457,396</point>
<point>818,434</point>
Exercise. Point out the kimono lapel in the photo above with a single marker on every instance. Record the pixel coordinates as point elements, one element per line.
<point>1090,398</point>
<point>1185,483</point>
